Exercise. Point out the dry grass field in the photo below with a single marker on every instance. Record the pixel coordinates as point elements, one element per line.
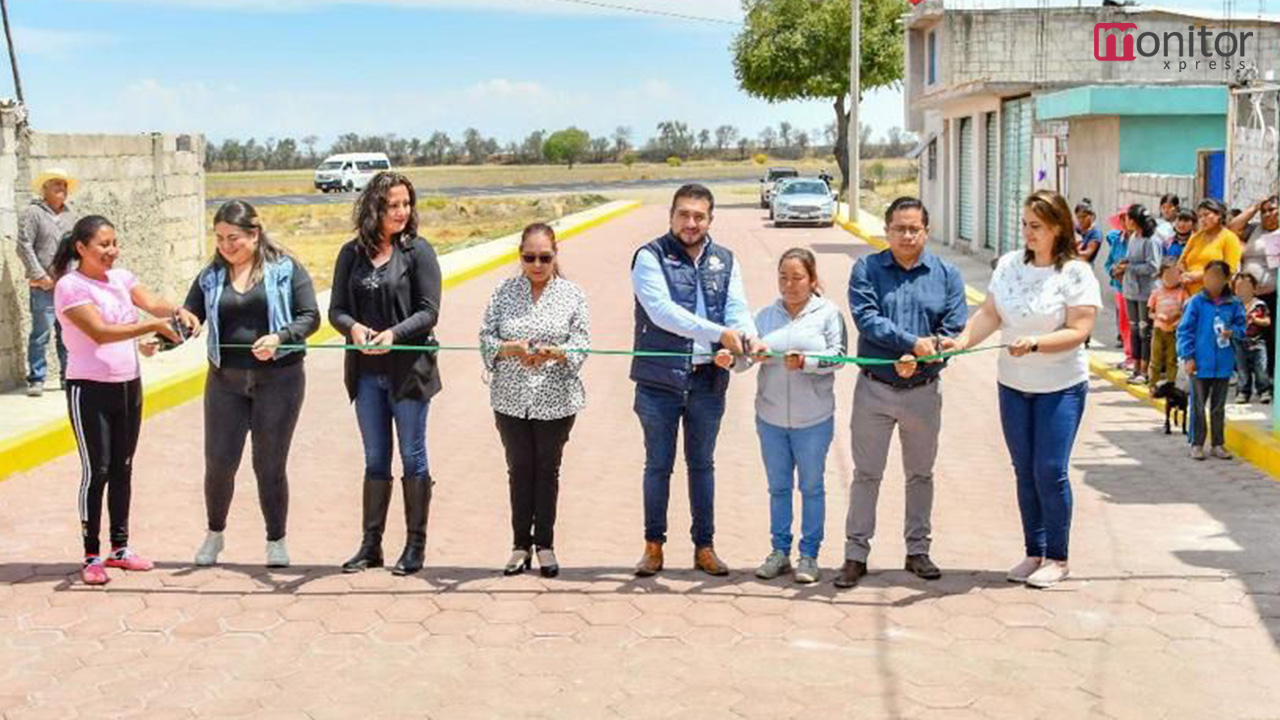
<point>314,233</point>
<point>300,182</point>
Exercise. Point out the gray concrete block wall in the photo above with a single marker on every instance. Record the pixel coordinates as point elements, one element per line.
<point>152,191</point>
<point>1008,46</point>
<point>1147,189</point>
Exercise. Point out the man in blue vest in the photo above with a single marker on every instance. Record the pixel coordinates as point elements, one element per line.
<point>689,302</point>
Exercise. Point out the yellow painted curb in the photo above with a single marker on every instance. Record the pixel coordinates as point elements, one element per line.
<point>54,439</point>
<point>1246,441</point>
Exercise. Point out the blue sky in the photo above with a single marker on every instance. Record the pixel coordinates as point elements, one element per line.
<point>282,68</point>
<point>260,68</point>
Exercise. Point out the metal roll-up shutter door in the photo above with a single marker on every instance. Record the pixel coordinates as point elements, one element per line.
<point>991,191</point>
<point>1016,167</point>
<point>965,169</point>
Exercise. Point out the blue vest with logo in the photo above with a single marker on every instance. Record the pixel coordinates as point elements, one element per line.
<point>684,280</point>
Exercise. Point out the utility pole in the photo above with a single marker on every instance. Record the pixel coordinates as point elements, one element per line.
<point>13,56</point>
<point>855,84</point>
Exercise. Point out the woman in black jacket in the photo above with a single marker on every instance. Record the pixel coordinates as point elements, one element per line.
<point>386,291</point>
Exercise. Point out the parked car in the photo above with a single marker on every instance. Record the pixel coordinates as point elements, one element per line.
<point>349,171</point>
<point>769,182</point>
<point>803,200</point>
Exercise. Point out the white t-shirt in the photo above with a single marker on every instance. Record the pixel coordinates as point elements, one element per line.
<point>1033,301</point>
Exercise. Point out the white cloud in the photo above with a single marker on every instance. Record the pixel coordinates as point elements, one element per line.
<point>505,89</point>
<point>59,44</point>
<point>717,9</point>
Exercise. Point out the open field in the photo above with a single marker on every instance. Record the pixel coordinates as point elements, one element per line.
<point>297,182</point>
<point>315,233</point>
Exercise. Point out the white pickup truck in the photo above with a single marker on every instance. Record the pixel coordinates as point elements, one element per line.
<point>769,182</point>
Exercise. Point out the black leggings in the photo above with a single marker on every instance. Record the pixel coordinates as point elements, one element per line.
<point>534,449</point>
<point>267,402</point>
<point>106,418</point>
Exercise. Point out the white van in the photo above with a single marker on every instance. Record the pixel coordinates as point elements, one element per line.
<point>349,171</point>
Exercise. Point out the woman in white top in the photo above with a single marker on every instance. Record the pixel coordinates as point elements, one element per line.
<point>1044,301</point>
<point>534,388</point>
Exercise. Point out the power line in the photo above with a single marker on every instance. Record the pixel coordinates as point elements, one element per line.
<point>650,11</point>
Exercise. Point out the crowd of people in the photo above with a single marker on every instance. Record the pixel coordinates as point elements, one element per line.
<point>1196,288</point>
<point>255,306</point>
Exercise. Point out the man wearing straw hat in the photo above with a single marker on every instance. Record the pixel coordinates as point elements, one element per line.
<point>40,228</point>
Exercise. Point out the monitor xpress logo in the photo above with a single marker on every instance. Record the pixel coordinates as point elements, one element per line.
<point>1196,49</point>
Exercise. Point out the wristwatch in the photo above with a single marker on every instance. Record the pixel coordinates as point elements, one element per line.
<point>1035,344</point>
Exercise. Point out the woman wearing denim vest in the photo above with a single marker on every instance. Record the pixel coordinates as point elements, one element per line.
<point>386,291</point>
<point>252,293</point>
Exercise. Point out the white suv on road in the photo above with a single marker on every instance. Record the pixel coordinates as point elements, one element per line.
<point>349,171</point>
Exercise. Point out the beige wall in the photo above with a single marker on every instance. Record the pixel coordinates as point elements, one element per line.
<point>150,186</point>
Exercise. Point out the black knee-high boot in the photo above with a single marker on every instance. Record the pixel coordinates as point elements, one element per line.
<point>417,504</point>
<point>377,497</point>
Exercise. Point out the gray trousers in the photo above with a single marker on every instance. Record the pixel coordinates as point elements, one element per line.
<point>917,413</point>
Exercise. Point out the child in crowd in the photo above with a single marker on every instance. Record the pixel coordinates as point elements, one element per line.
<point>1251,349</point>
<point>1088,236</point>
<point>1212,319</point>
<point>1183,226</point>
<point>1166,304</point>
<point>1117,251</point>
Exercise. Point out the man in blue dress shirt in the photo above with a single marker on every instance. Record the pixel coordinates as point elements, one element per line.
<point>689,302</point>
<point>907,303</point>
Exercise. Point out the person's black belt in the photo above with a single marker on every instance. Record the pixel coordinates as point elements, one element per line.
<point>905,384</point>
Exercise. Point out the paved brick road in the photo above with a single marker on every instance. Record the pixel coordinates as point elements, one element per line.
<point>1174,610</point>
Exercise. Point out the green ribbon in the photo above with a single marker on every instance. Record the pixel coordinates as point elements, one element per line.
<point>842,359</point>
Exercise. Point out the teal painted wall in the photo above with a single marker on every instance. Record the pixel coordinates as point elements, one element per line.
<point>1133,100</point>
<point>1167,145</point>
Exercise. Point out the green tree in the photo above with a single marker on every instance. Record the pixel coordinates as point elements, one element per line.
<point>800,50</point>
<point>566,146</point>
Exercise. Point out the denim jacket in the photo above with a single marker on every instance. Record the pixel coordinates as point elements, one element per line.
<point>277,280</point>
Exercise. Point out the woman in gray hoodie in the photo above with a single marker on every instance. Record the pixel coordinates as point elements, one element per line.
<point>1141,267</point>
<point>795,408</point>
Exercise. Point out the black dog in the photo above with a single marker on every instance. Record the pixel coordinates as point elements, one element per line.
<point>1175,400</point>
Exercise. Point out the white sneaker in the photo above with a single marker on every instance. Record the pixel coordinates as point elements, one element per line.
<point>1023,570</point>
<point>807,571</point>
<point>277,554</point>
<point>208,553</point>
<point>1050,573</point>
<point>776,564</point>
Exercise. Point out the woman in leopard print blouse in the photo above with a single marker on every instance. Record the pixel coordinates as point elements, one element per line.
<point>534,387</point>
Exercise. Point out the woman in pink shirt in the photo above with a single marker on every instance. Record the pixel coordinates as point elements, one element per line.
<point>97,305</point>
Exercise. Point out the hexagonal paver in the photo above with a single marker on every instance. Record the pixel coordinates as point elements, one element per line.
<point>655,625</point>
<point>712,614</point>
<point>555,624</point>
<point>971,627</point>
<point>509,611</point>
<point>609,613</point>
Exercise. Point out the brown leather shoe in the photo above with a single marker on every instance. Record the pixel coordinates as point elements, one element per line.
<point>851,573</point>
<point>651,562</point>
<point>705,559</point>
<point>922,567</point>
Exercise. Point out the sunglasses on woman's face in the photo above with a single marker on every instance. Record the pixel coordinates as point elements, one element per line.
<point>544,259</point>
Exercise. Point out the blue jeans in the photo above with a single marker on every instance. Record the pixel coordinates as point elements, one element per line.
<point>1040,429</point>
<point>661,413</point>
<point>785,452</point>
<point>375,413</point>
<point>44,322</point>
<point>1251,369</point>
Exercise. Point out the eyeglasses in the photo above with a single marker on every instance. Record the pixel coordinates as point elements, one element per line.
<point>906,231</point>
<point>544,259</point>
